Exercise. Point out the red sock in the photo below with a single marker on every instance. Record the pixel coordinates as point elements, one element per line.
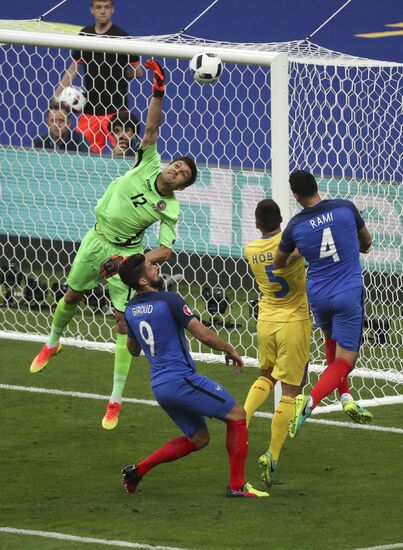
<point>330,349</point>
<point>174,449</point>
<point>330,380</point>
<point>344,387</point>
<point>237,446</point>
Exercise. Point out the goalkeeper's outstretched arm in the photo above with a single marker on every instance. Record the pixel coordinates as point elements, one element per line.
<point>154,116</point>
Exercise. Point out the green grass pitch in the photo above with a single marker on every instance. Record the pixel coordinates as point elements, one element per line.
<point>60,470</point>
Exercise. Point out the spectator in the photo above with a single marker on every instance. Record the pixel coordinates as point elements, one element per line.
<point>106,77</point>
<point>124,128</point>
<point>60,136</point>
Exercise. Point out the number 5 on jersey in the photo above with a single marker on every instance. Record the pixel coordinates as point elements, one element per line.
<point>328,248</point>
<point>276,279</point>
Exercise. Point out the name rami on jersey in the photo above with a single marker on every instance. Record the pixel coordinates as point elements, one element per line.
<point>141,310</point>
<point>321,220</point>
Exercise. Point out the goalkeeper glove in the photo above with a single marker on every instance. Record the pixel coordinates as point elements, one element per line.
<point>158,77</point>
<point>110,267</point>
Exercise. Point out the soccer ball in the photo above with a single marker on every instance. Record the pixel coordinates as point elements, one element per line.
<point>74,97</point>
<point>206,67</point>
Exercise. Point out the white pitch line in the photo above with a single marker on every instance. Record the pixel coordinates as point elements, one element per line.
<point>152,403</point>
<point>383,547</point>
<point>89,540</point>
<point>33,389</point>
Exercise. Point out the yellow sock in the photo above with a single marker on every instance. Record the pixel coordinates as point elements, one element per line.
<point>279,425</point>
<point>257,395</point>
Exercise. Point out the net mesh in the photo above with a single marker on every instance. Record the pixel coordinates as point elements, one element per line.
<point>344,125</point>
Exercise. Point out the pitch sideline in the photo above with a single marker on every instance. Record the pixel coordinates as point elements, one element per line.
<point>152,403</point>
<point>88,540</point>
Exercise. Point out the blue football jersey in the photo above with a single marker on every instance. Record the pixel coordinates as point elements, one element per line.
<point>327,236</point>
<point>158,320</point>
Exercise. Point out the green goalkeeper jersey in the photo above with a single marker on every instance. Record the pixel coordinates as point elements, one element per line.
<point>132,203</point>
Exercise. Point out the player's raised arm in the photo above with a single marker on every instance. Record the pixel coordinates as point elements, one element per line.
<point>285,249</point>
<point>280,259</point>
<point>154,115</point>
<point>210,338</point>
<point>68,78</point>
<point>158,255</point>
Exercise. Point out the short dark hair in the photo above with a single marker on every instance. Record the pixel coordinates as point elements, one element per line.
<point>132,269</point>
<point>126,120</point>
<point>303,183</point>
<point>92,2</point>
<point>268,215</point>
<point>56,105</point>
<point>192,165</point>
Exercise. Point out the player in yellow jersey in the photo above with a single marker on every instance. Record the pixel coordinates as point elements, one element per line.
<point>283,330</point>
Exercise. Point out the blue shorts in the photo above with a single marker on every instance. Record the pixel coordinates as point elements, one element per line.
<point>343,315</point>
<point>189,399</point>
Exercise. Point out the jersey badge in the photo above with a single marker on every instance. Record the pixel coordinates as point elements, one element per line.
<point>160,206</point>
<point>186,310</point>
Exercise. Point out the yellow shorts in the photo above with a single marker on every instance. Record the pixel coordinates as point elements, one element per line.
<point>284,347</point>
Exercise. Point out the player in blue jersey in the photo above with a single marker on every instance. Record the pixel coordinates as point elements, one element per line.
<point>156,321</point>
<point>330,234</point>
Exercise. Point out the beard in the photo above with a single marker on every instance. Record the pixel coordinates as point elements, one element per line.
<point>159,284</point>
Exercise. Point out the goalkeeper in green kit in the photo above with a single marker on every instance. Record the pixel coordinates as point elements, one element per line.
<point>131,203</point>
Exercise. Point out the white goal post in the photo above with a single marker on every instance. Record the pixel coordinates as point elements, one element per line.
<point>277,107</point>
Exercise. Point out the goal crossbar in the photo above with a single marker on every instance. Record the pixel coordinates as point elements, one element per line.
<point>133,46</point>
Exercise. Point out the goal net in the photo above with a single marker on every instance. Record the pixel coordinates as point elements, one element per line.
<point>276,107</point>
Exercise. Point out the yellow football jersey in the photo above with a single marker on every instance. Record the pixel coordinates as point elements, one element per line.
<point>283,290</point>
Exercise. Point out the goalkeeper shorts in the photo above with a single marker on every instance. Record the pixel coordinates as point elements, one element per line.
<point>84,273</point>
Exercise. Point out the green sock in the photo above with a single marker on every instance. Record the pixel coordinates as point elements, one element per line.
<point>121,368</point>
<point>63,315</point>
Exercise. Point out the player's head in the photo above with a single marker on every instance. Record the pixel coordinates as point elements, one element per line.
<point>303,184</point>
<point>268,216</point>
<point>124,125</point>
<point>180,173</point>
<point>102,10</point>
<point>139,273</point>
<point>58,119</point>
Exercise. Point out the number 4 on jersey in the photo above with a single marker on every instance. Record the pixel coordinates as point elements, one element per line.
<point>328,248</point>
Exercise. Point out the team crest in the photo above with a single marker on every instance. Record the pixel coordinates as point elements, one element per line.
<point>160,206</point>
<point>186,310</point>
